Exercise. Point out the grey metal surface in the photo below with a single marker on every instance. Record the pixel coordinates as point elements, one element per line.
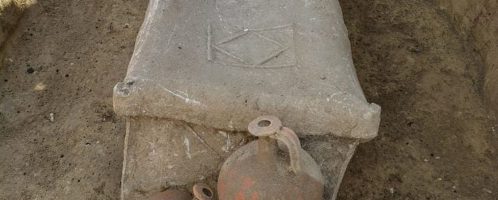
<point>224,63</point>
<point>162,153</point>
<point>202,70</point>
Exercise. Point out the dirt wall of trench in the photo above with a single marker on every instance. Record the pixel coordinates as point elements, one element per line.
<point>10,14</point>
<point>477,21</point>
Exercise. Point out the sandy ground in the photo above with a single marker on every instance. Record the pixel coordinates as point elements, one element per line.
<point>437,140</point>
<point>64,59</point>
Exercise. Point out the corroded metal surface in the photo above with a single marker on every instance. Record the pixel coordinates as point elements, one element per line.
<point>162,153</point>
<point>172,194</point>
<point>202,70</point>
<point>223,63</point>
<point>150,162</point>
<point>200,191</point>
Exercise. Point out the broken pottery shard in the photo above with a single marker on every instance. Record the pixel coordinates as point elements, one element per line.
<point>202,70</point>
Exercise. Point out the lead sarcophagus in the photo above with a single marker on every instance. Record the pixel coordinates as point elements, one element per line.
<point>202,70</point>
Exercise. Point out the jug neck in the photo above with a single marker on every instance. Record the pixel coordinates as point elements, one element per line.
<point>267,149</point>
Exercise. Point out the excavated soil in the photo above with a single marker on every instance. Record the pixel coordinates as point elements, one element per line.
<point>436,140</point>
<point>59,138</point>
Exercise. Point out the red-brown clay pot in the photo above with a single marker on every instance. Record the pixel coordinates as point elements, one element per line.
<point>260,171</point>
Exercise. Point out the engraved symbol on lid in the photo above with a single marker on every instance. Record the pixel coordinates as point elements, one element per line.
<point>254,48</point>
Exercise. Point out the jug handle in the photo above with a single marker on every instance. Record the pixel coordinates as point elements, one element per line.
<point>271,126</point>
<point>291,141</point>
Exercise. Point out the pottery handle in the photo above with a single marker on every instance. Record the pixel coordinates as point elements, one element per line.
<point>291,141</point>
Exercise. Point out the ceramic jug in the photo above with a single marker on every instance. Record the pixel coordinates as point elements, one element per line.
<point>263,170</point>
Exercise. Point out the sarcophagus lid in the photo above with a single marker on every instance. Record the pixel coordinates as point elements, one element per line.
<point>223,63</point>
